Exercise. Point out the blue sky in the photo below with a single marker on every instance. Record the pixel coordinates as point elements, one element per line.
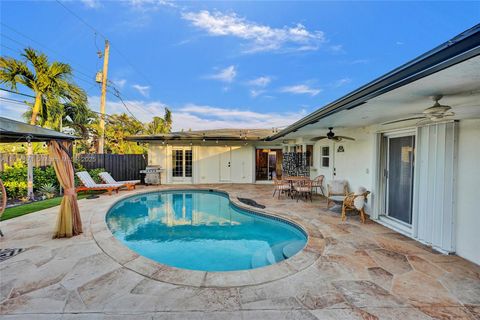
<point>229,64</point>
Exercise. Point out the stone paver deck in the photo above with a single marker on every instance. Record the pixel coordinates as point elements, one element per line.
<point>347,271</point>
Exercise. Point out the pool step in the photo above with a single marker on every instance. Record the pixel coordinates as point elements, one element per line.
<point>292,248</point>
<point>262,258</point>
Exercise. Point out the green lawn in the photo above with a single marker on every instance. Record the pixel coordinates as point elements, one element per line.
<point>20,210</point>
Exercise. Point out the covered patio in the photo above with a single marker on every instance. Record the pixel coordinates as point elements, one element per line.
<point>350,271</point>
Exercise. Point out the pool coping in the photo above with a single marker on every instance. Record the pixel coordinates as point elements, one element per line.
<point>217,279</point>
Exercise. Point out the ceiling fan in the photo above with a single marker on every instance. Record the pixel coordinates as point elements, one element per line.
<point>331,136</point>
<point>436,112</point>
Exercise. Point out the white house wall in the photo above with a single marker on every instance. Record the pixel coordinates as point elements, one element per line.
<point>206,162</point>
<point>355,164</point>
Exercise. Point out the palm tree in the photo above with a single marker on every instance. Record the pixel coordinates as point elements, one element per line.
<point>50,82</point>
<point>161,125</point>
<point>52,87</point>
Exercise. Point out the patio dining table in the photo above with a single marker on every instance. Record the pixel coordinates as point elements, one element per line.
<point>292,179</point>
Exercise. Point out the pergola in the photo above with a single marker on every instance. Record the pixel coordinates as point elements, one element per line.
<point>68,223</point>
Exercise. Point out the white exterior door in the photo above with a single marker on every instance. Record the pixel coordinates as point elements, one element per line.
<point>226,164</point>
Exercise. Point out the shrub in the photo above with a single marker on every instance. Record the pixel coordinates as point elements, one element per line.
<point>94,174</point>
<point>44,176</point>
<point>48,189</point>
<point>16,189</point>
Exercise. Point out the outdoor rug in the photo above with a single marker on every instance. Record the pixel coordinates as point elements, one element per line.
<point>8,253</point>
<point>251,202</point>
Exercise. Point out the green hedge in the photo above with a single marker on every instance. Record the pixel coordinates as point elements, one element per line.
<point>15,178</point>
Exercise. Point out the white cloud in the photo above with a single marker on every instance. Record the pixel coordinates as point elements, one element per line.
<point>144,5</point>
<point>92,4</point>
<point>194,117</point>
<point>342,82</point>
<point>255,93</point>
<point>200,117</point>
<point>258,37</point>
<point>143,90</point>
<point>226,75</point>
<point>260,81</point>
<point>399,43</point>
<point>359,61</point>
<point>120,83</point>
<point>301,89</point>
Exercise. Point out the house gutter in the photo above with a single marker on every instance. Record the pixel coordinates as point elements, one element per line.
<point>461,48</point>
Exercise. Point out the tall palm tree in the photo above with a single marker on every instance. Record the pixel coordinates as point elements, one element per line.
<point>161,125</point>
<point>51,83</point>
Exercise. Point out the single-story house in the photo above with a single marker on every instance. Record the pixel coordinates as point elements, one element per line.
<point>416,144</point>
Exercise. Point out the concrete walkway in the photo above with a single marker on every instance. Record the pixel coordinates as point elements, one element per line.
<point>354,271</point>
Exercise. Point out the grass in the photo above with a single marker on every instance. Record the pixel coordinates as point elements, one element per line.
<point>23,209</point>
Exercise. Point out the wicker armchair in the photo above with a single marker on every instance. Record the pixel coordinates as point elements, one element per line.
<point>336,191</point>
<point>280,186</point>
<point>318,183</point>
<point>303,188</point>
<point>355,201</point>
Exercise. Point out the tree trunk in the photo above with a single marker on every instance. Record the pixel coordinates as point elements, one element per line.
<point>36,109</point>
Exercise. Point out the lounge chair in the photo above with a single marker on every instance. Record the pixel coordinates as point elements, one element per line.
<point>89,184</point>
<point>107,178</point>
<point>355,201</point>
<point>336,191</point>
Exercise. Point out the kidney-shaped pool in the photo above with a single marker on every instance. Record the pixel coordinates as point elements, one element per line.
<point>202,230</point>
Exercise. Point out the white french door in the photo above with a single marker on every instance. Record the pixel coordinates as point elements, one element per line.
<point>182,164</point>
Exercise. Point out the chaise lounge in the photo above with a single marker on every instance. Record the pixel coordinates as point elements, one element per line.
<point>107,178</point>
<point>89,184</point>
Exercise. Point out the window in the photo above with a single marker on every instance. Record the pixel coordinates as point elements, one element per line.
<point>177,163</point>
<point>325,157</point>
<point>182,163</point>
<point>188,163</point>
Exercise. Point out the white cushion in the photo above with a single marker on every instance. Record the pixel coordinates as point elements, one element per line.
<point>337,186</point>
<point>359,202</point>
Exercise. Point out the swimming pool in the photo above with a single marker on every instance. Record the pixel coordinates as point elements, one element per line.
<point>202,230</point>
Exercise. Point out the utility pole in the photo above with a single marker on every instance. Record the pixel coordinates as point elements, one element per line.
<point>101,141</point>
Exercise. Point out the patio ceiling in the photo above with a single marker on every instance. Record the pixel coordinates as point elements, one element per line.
<point>459,85</point>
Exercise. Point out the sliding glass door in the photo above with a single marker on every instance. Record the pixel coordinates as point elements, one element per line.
<point>399,171</point>
<point>268,164</point>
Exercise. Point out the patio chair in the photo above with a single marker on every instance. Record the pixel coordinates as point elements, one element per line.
<point>303,188</point>
<point>89,184</point>
<point>355,201</point>
<point>318,183</point>
<point>281,186</point>
<point>336,191</point>
<point>107,178</point>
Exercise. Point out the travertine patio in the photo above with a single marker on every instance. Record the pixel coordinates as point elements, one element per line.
<point>347,271</point>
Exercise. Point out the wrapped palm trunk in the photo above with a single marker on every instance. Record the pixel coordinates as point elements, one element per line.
<point>69,223</point>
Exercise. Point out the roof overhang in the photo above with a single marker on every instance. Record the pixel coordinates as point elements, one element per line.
<point>461,48</point>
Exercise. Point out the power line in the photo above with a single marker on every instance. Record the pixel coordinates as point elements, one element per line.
<point>19,93</point>
<point>105,38</point>
<point>37,42</point>
<point>14,101</point>
<point>80,19</point>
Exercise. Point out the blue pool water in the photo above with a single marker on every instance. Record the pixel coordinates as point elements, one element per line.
<point>201,230</point>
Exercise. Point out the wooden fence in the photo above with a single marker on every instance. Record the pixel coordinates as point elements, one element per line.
<point>120,166</point>
<point>39,160</point>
